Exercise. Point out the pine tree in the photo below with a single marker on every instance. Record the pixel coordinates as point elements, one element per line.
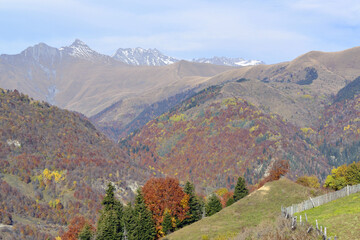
<point>230,201</point>
<point>109,200</point>
<point>130,223</point>
<point>213,205</point>
<point>195,207</point>
<point>240,189</point>
<point>110,225</point>
<point>167,223</point>
<point>145,227</point>
<point>86,233</point>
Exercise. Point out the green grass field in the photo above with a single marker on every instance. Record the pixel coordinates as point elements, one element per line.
<point>260,206</point>
<point>341,217</point>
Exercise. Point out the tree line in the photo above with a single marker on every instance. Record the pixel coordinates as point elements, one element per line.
<point>160,207</point>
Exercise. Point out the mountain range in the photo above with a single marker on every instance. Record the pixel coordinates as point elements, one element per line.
<point>80,79</point>
<point>153,57</point>
<point>194,121</point>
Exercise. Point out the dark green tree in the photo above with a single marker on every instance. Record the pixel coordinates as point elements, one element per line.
<point>110,225</point>
<point>109,200</point>
<point>145,227</point>
<point>240,189</point>
<point>230,201</point>
<point>213,205</point>
<point>86,233</point>
<point>195,207</point>
<point>130,222</point>
<point>167,223</point>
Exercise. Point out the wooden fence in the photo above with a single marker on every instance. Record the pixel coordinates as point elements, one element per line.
<point>288,212</point>
<point>321,231</point>
<point>318,201</point>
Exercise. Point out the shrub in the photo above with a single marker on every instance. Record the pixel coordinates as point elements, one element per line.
<point>308,181</point>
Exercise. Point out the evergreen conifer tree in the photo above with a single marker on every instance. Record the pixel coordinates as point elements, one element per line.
<point>240,189</point>
<point>110,226</point>
<point>213,205</point>
<point>109,200</point>
<point>145,227</point>
<point>130,222</point>
<point>167,223</point>
<point>86,233</point>
<point>230,201</point>
<point>195,207</point>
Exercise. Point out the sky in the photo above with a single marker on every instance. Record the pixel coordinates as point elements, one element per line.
<point>269,30</point>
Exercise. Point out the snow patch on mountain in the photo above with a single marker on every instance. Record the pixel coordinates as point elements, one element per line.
<point>228,61</point>
<point>52,91</point>
<point>139,56</point>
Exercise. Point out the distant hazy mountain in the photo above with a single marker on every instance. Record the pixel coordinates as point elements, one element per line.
<point>139,56</point>
<point>228,61</point>
<point>78,78</point>
<point>114,93</point>
<point>37,68</point>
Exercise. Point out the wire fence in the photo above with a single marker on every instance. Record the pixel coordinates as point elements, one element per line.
<point>318,201</point>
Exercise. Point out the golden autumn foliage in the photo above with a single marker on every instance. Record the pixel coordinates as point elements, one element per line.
<point>309,181</point>
<point>343,175</point>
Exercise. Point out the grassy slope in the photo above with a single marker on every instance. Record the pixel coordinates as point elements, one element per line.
<point>341,217</point>
<point>259,206</point>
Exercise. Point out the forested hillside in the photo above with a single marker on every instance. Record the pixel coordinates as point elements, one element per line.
<point>54,165</point>
<point>339,129</point>
<point>211,140</point>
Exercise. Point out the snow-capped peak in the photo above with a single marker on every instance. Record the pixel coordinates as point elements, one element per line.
<point>139,56</point>
<point>78,43</point>
<point>79,49</point>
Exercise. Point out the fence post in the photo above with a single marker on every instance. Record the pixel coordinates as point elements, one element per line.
<point>317,225</point>
<point>312,202</point>
<point>293,224</point>
<point>306,217</point>
<point>325,232</point>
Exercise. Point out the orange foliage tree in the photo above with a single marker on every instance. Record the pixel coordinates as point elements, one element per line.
<point>280,168</point>
<point>165,194</point>
<point>76,225</point>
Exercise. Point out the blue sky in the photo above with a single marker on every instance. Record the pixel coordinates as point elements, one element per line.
<point>268,30</point>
